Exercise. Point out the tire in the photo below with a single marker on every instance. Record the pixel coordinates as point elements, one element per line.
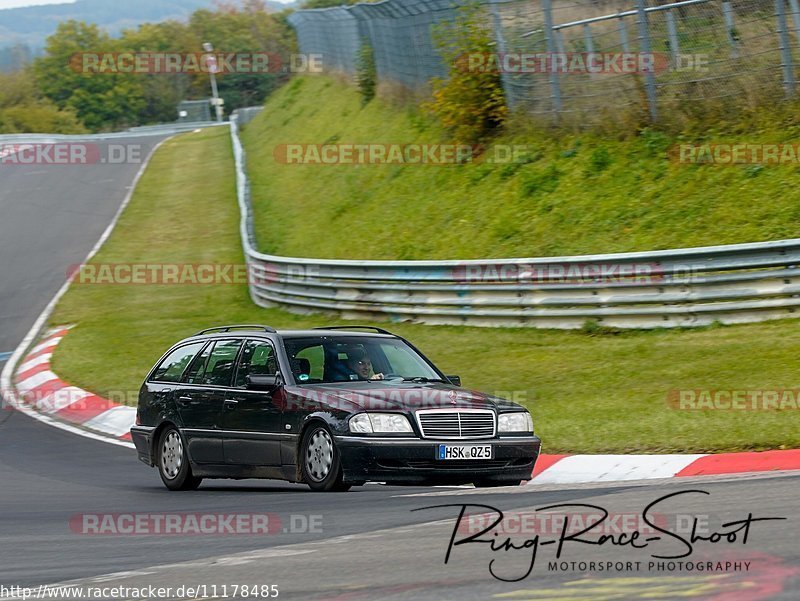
<point>321,464</point>
<point>173,462</point>
<point>496,483</point>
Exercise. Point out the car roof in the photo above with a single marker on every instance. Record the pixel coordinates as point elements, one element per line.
<point>315,333</point>
<point>322,332</point>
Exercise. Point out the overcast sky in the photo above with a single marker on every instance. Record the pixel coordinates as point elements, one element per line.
<point>16,3</point>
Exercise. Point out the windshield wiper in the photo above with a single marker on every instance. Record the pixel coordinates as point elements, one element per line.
<point>422,379</point>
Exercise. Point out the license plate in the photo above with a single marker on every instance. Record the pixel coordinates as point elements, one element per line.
<point>464,451</point>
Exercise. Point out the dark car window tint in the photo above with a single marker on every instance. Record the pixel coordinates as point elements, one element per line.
<point>315,356</point>
<point>337,359</point>
<point>171,368</point>
<point>258,359</point>
<point>196,371</point>
<point>219,369</point>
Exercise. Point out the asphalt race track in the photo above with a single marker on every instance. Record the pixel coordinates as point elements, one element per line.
<point>368,543</point>
<point>50,218</point>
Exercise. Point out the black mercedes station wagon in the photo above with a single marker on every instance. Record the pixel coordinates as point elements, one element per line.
<point>332,407</point>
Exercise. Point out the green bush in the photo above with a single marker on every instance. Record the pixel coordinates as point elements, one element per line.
<point>470,102</point>
<point>366,76</point>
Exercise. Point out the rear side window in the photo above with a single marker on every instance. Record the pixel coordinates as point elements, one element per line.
<point>174,364</point>
<point>197,369</point>
<point>218,369</point>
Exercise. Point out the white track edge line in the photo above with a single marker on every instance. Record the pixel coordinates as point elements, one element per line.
<point>6,385</point>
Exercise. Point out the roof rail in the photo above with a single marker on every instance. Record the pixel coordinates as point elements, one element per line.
<point>237,327</point>
<point>379,330</point>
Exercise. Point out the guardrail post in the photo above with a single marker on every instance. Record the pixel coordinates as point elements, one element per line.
<point>786,49</point>
<point>644,47</point>
<point>550,33</point>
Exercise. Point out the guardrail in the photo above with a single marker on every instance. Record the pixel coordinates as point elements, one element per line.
<point>145,130</point>
<point>667,288</point>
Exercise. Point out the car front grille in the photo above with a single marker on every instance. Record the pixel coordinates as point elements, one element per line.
<point>432,464</point>
<point>461,424</point>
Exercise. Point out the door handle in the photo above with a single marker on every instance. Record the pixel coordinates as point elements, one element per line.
<point>230,404</point>
<point>183,400</point>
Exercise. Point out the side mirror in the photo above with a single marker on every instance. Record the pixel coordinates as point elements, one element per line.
<point>454,380</point>
<point>266,383</point>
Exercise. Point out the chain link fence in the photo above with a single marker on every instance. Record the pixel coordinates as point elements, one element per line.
<point>585,60</point>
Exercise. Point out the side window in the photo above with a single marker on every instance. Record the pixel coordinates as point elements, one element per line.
<point>258,359</point>
<point>219,367</point>
<point>173,365</point>
<point>311,361</point>
<point>196,371</point>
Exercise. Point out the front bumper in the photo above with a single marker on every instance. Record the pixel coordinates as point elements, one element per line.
<point>142,437</point>
<point>414,460</point>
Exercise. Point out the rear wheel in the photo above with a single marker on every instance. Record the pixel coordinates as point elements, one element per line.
<point>173,464</point>
<point>321,464</point>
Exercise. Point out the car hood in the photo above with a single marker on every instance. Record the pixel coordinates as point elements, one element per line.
<point>405,396</point>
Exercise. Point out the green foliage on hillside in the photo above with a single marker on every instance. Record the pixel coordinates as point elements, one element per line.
<point>589,392</point>
<point>70,85</point>
<point>565,193</point>
<point>24,109</point>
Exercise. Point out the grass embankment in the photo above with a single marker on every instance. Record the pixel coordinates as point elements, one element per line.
<point>603,393</point>
<point>578,195</point>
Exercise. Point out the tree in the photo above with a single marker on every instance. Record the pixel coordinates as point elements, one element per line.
<point>102,100</point>
<point>23,110</point>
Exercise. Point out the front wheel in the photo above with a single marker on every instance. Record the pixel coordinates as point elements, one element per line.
<point>321,464</point>
<point>173,464</point>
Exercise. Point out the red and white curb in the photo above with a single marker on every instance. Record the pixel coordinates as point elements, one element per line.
<point>575,469</point>
<point>42,390</point>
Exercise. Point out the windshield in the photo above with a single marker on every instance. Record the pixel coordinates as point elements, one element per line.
<point>358,358</point>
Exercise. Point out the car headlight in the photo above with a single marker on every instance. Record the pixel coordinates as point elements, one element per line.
<point>373,423</point>
<point>519,421</point>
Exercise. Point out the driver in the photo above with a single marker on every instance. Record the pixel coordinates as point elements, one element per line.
<point>359,363</point>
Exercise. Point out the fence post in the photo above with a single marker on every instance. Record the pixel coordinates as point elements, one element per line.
<point>786,49</point>
<point>644,47</point>
<point>555,89</point>
<point>730,28</point>
<point>623,35</point>
<point>795,16</point>
<point>672,31</point>
<point>587,38</point>
<point>497,23</point>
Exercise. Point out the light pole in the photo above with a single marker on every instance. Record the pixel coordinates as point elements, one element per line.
<point>211,63</point>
